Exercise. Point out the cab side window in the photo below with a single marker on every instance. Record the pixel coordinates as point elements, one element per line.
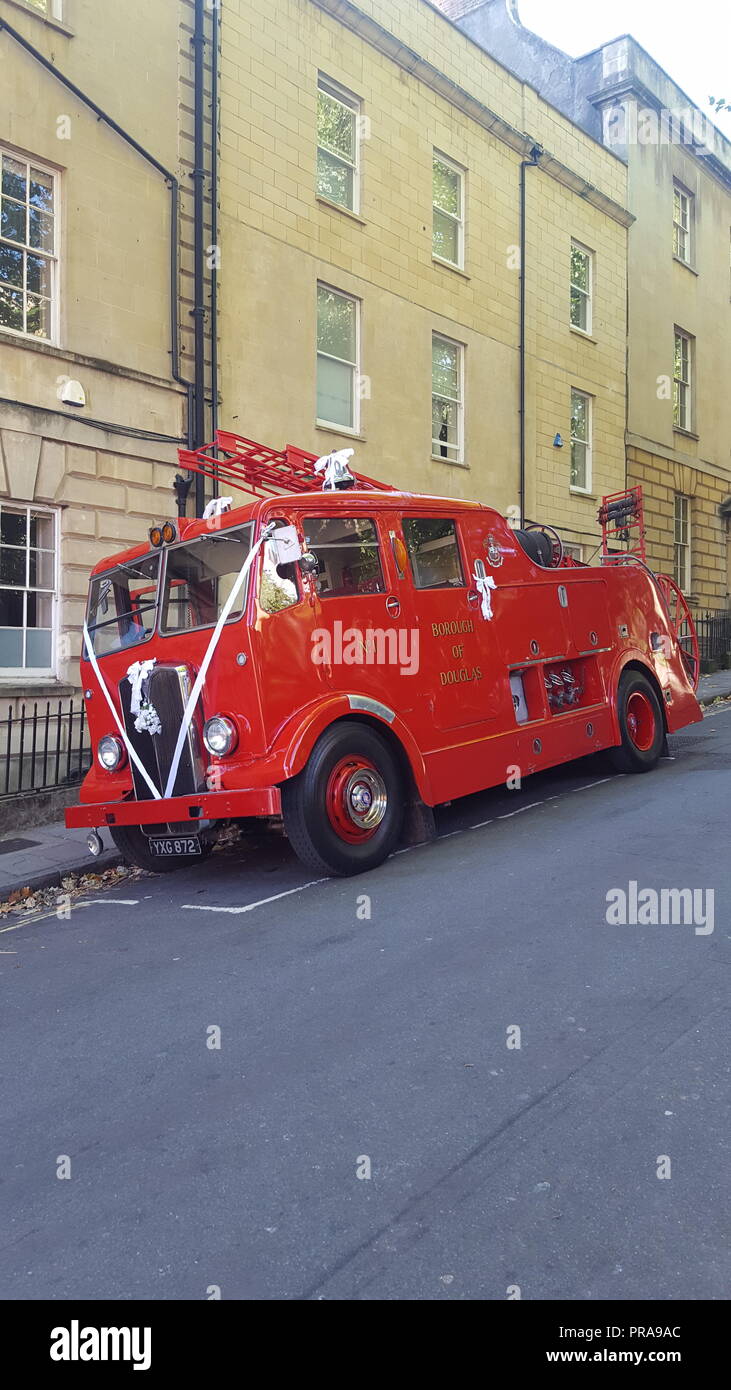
<point>433,553</point>
<point>347,553</point>
<point>278,585</point>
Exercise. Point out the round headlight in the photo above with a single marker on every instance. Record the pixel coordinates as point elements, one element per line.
<point>169,533</point>
<point>155,534</point>
<point>110,753</point>
<point>219,735</point>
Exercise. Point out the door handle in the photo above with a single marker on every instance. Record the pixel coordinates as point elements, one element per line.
<point>393,605</point>
<point>473,598</point>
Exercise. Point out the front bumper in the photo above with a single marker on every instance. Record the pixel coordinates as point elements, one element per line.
<point>254,801</point>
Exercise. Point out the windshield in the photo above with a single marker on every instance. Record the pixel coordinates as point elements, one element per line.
<point>199,578</point>
<point>122,605</point>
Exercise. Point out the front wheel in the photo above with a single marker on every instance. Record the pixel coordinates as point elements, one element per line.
<point>134,845</point>
<point>344,812</point>
<point>641,725</point>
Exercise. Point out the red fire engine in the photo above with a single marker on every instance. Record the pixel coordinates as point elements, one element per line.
<point>348,657</point>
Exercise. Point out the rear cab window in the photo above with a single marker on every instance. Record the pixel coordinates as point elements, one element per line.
<point>348,555</point>
<point>433,550</point>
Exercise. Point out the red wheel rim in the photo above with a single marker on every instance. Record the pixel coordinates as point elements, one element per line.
<point>355,799</point>
<point>640,721</point>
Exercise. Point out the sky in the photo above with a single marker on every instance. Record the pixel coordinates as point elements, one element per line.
<point>691,39</point>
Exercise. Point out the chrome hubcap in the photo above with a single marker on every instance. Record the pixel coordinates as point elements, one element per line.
<point>366,798</point>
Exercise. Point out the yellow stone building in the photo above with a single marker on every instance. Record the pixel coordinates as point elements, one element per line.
<point>90,415</point>
<point>678,162</point>
<point>370,259</point>
<point>355,282</point>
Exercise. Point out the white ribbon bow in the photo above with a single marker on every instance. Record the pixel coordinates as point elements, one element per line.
<point>147,719</point>
<point>216,506</point>
<point>485,583</point>
<point>335,468</point>
<point>136,674</point>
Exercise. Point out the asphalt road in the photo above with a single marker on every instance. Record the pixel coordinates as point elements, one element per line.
<point>349,1041</point>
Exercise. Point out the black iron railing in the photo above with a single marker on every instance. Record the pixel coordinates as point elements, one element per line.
<point>43,745</point>
<point>714,636</point>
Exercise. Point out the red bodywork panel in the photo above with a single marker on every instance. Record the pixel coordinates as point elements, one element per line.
<point>455,716</point>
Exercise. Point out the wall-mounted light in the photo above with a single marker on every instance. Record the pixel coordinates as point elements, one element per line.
<point>558,442</point>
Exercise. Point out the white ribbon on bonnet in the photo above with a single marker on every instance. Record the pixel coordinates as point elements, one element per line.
<point>147,718</point>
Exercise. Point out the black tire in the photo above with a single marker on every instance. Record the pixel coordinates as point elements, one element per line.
<point>133,844</point>
<point>641,724</point>
<point>305,800</point>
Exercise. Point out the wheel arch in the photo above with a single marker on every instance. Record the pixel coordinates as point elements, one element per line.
<point>635,664</point>
<point>394,732</point>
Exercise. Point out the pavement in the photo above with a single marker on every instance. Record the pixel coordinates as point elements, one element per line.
<point>452,1077</point>
<point>49,853</point>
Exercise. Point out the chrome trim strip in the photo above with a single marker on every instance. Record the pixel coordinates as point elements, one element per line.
<point>366,706</point>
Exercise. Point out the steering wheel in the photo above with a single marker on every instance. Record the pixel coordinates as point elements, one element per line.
<point>554,538</point>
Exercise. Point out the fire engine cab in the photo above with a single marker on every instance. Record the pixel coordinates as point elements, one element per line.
<point>345,657</point>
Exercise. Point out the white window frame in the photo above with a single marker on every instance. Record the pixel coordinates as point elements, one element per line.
<point>683,225</point>
<point>33,673</point>
<point>683,385</point>
<point>353,104</point>
<point>682,552</point>
<point>589,293</point>
<point>437,444</point>
<point>574,487</point>
<point>46,9</point>
<point>460,220</point>
<point>355,366</point>
<point>52,257</point>
<point>574,550</point>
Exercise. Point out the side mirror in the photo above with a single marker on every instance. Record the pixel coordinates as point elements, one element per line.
<point>309,563</point>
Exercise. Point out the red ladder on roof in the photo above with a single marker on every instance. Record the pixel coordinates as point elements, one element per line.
<point>622,518</point>
<point>260,471</point>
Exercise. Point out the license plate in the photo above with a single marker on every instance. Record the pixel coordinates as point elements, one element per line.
<point>168,846</point>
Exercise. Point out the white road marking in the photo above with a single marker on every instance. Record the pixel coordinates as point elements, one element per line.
<point>106,902</point>
<point>249,907</point>
<point>481,823</point>
<point>600,783</point>
<point>520,810</point>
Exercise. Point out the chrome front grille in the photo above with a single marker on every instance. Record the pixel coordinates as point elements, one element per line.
<point>168,690</point>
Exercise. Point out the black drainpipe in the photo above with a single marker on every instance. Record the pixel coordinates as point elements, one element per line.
<point>199,281</point>
<point>531,163</point>
<point>174,204</point>
<point>214,231</point>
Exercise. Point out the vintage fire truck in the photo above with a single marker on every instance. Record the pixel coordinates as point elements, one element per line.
<point>344,658</point>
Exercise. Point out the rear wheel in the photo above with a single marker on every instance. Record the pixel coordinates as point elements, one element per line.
<point>344,812</point>
<point>641,725</point>
<point>135,846</point>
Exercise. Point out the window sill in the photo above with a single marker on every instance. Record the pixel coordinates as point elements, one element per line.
<point>583,492</point>
<point>451,463</point>
<point>685,264</point>
<point>447,265</point>
<point>17,688</point>
<point>52,23</point>
<point>581,333</point>
<point>687,434</point>
<point>27,339</point>
<point>324,428</point>
<point>338,207</point>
